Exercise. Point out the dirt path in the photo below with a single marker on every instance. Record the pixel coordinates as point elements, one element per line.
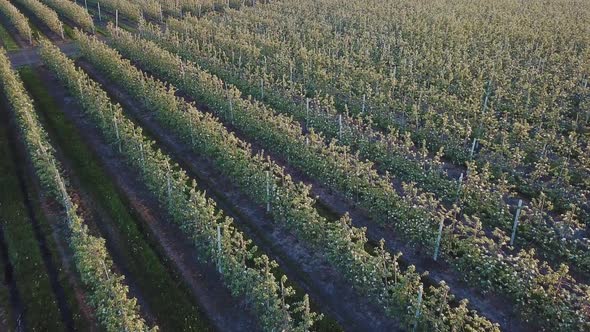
<point>17,307</point>
<point>310,270</point>
<point>13,300</point>
<point>30,56</point>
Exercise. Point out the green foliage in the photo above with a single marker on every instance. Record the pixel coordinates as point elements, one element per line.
<point>102,283</point>
<point>414,215</point>
<point>290,202</point>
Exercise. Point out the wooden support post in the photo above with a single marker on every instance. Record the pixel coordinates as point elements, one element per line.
<point>219,248</point>
<point>99,14</point>
<point>459,187</point>
<point>472,148</point>
<point>418,311</point>
<point>231,112</point>
<point>169,187</point>
<point>192,128</point>
<point>340,127</point>
<point>142,156</point>
<point>106,271</point>
<point>80,89</point>
<point>306,113</point>
<point>267,191</point>
<point>117,133</point>
<point>61,28</point>
<point>364,103</point>
<point>515,226</point>
<point>438,238</point>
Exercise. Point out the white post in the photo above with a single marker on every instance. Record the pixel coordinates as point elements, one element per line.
<point>142,156</point>
<point>267,191</point>
<point>459,187</point>
<point>106,271</point>
<point>472,148</point>
<point>438,238</point>
<point>80,88</point>
<point>364,103</point>
<point>192,129</point>
<point>307,112</point>
<point>219,248</point>
<point>61,28</point>
<point>63,190</point>
<point>169,187</point>
<point>418,311</point>
<point>340,127</point>
<point>518,209</point>
<point>86,5</point>
<point>117,132</point>
<point>116,19</point>
<point>485,102</point>
<point>231,112</point>
<point>99,15</point>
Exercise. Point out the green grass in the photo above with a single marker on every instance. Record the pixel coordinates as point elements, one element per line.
<point>7,41</point>
<point>165,293</point>
<point>42,312</point>
<point>68,31</point>
<point>6,310</point>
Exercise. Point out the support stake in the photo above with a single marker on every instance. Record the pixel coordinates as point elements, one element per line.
<point>99,15</point>
<point>518,209</point>
<point>219,248</point>
<point>438,238</point>
<point>418,311</point>
<point>472,148</point>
